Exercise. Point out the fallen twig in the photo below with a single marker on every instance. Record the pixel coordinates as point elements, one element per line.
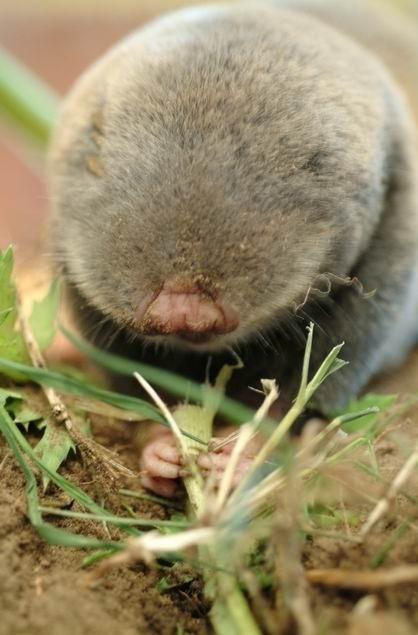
<point>347,579</point>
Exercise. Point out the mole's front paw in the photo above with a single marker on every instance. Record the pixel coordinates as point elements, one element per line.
<point>161,465</point>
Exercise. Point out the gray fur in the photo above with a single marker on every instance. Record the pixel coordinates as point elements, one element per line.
<point>258,147</point>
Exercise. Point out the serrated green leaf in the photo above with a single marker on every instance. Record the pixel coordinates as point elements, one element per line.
<point>6,394</point>
<point>54,447</point>
<point>17,406</point>
<point>21,412</point>
<point>43,317</point>
<point>12,345</point>
<point>56,444</point>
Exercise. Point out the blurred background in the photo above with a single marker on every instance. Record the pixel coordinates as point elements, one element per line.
<point>57,39</point>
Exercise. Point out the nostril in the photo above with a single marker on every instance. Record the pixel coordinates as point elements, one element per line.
<point>189,315</point>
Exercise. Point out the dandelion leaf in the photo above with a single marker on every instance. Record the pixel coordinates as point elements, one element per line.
<point>12,345</point>
<point>43,317</point>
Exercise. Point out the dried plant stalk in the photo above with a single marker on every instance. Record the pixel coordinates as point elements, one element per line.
<point>363,580</point>
<point>383,505</point>
<point>94,454</point>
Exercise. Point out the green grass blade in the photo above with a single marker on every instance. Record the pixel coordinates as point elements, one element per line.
<point>25,100</point>
<point>118,520</point>
<point>174,384</point>
<point>306,360</point>
<point>72,386</point>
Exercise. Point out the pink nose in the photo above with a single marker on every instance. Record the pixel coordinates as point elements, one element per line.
<point>189,314</point>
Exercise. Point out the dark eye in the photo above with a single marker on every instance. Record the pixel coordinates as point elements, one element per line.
<point>315,162</point>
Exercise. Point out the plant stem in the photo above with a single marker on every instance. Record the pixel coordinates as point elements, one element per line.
<point>230,613</point>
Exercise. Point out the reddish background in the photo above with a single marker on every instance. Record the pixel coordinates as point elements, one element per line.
<point>57,48</point>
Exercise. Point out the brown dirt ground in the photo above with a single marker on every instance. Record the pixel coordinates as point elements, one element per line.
<point>43,589</point>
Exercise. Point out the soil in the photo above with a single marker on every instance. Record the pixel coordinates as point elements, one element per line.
<point>44,589</point>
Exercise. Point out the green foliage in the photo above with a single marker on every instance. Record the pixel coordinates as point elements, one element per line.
<point>12,346</point>
<point>174,579</point>
<point>328,517</point>
<point>366,425</point>
<point>42,320</point>
<point>48,532</point>
<point>174,384</point>
<point>69,385</point>
<point>55,443</point>
<point>54,446</point>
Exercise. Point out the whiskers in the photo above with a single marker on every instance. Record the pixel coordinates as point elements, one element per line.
<point>103,333</point>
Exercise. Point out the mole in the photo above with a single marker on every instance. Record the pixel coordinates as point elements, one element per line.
<point>226,175</point>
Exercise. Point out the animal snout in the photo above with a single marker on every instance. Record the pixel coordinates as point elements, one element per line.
<point>186,311</point>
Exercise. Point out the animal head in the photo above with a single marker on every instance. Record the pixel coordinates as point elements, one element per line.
<point>209,167</point>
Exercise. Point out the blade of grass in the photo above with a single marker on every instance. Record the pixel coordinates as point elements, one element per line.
<point>164,502</point>
<point>70,385</point>
<point>66,384</point>
<point>117,520</point>
<point>25,100</point>
<point>174,384</point>
<point>306,391</point>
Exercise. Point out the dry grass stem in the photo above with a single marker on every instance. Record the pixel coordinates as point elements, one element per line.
<point>165,411</point>
<point>94,454</point>
<point>245,434</point>
<point>271,395</point>
<point>147,547</point>
<point>364,580</point>
<point>383,505</point>
<point>263,494</point>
